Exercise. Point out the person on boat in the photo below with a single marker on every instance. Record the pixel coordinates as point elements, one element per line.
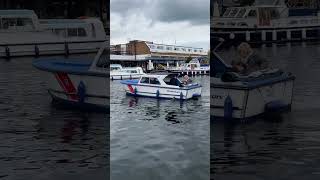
<point>175,81</point>
<point>186,80</point>
<point>248,61</point>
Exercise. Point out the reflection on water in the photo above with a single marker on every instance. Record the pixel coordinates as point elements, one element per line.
<point>39,141</point>
<point>159,139</point>
<point>286,148</point>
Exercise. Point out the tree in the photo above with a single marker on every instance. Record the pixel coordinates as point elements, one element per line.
<point>188,59</point>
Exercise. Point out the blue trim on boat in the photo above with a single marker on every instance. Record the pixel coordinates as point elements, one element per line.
<point>70,66</point>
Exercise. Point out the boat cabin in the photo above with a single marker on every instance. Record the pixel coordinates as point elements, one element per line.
<point>115,67</point>
<point>90,28</point>
<point>251,16</point>
<point>18,20</point>
<point>162,80</point>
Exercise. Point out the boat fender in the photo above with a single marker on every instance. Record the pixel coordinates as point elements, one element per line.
<point>120,77</point>
<point>36,51</point>
<point>130,77</point>
<point>181,96</point>
<point>7,52</point>
<point>228,108</point>
<point>81,91</point>
<point>158,93</point>
<point>135,91</point>
<point>66,49</point>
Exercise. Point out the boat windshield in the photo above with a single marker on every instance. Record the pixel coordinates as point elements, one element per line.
<point>172,79</point>
<point>103,61</point>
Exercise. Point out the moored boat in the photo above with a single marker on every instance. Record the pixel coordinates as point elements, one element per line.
<point>117,72</point>
<point>23,34</point>
<point>235,96</point>
<point>266,23</point>
<point>162,86</point>
<point>76,82</point>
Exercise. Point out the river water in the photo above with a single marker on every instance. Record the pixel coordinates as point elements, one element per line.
<point>159,139</point>
<point>285,148</point>
<point>40,141</point>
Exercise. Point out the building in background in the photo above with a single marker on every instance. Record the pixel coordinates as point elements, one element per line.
<point>138,47</point>
<point>62,8</point>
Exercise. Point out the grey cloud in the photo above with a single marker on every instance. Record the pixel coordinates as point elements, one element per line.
<point>193,11</point>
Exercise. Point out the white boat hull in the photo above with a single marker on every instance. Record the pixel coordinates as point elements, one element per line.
<point>249,102</point>
<point>95,96</point>
<point>162,92</point>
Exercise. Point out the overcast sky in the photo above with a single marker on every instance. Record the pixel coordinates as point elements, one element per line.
<point>184,22</point>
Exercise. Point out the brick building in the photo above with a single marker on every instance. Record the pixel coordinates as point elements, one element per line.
<point>138,47</point>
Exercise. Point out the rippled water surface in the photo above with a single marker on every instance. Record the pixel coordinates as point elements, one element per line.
<point>287,148</point>
<point>159,139</point>
<point>39,141</point>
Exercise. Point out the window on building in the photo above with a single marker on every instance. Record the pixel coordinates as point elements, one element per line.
<point>145,80</point>
<point>159,47</point>
<point>151,46</point>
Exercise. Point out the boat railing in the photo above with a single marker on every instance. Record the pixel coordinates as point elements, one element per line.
<point>296,21</point>
<point>6,48</point>
<point>233,22</point>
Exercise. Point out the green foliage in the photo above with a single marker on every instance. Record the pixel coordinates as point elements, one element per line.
<point>188,59</point>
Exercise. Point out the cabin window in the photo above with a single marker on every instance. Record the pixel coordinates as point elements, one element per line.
<point>169,48</point>
<point>82,32</point>
<point>154,81</point>
<point>114,68</point>
<point>151,46</point>
<point>72,32</point>
<point>233,12</point>
<point>189,50</point>
<point>145,80</point>
<point>93,30</point>
<point>274,14</point>
<point>226,14</point>
<point>252,13</point>
<point>160,47</point>
<point>241,13</point>
<point>103,61</point>
<point>60,32</point>
<point>177,49</point>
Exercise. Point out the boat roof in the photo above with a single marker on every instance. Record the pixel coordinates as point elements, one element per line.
<point>17,12</point>
<point>159,75</point>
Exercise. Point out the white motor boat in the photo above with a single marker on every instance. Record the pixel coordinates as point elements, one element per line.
<point>266,23</point>
<point>161,86</point>
<point>193,65</point>
<point>117,72</point>
<point>23,34</point>
<point>239,97</point>
<point>78,83</point>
